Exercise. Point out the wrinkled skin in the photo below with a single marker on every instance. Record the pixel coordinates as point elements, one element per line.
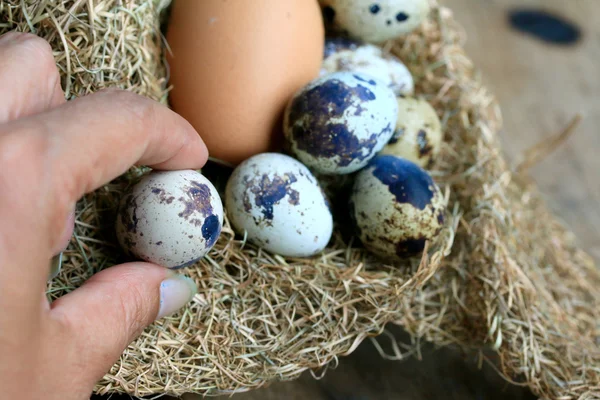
<point>51,153</point>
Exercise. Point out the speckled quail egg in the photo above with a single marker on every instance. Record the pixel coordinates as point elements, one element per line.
<point>339,121</point>
<point>396,207</point>
<point>374,21</point>
<point>277,202</point>
<point>343,54</point>
<point>170,218</point>
<point>418,135</point>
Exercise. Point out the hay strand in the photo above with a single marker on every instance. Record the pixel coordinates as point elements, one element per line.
<point>540,151</point>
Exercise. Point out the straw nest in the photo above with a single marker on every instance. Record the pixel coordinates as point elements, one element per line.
<point>504,273</point>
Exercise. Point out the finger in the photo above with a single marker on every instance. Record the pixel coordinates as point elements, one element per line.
<point>29,78</point>
<point>113,307</point>
<point>92,140</point>
<point>96,138</point>
<point>22,248</point>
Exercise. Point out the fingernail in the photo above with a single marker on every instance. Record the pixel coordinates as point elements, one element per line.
<point>175,293</point>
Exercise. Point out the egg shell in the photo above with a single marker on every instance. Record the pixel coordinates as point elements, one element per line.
<point>418,136</point>
<point>278,204</point>
<point>235,64</point>
<point>339,121</point>
<point>171,218</point>
<point>344,54</point>
<point>396,207</point>
<point>374,21</point>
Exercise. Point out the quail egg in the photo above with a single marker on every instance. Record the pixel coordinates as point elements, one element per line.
<point>339,121</point>
<point>277,202</point>
<point>396,207</point>
<point>418,135</point>
<point>374,21</point>
<point>170,218</point>
<point>343,54</point>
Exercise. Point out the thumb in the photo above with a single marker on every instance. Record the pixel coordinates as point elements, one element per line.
<point>114,306</point>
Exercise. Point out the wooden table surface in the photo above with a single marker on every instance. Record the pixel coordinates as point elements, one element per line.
<point>540,87</point>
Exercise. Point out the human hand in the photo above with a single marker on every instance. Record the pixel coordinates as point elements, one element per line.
<point>51,153</point>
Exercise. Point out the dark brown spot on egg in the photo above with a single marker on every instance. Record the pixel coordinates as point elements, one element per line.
<point>294,197</point>
<point>365,80</point>
<point>401,17</point>
<point>197,200</point>
<point>195,222</point>
<point>246,198</point>
<point>269,192</point>
<point>423,144</point>
<point>162,197</point>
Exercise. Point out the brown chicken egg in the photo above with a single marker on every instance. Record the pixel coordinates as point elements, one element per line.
<point>235,64</point>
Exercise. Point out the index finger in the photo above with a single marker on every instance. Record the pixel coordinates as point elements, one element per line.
<point>96,138</point>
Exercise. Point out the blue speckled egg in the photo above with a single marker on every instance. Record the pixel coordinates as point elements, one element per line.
<point>339,121</point>
<point>277,203</point>
<point>170,218</point>
<point>396,207</point>
<point>343,54</point>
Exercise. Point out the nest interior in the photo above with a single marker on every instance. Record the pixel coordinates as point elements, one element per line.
<point>503,274</point>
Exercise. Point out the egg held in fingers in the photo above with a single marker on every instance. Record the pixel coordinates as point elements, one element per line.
<point>170,218</point>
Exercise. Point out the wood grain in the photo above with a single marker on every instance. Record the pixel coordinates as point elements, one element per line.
<point>540,88</point>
